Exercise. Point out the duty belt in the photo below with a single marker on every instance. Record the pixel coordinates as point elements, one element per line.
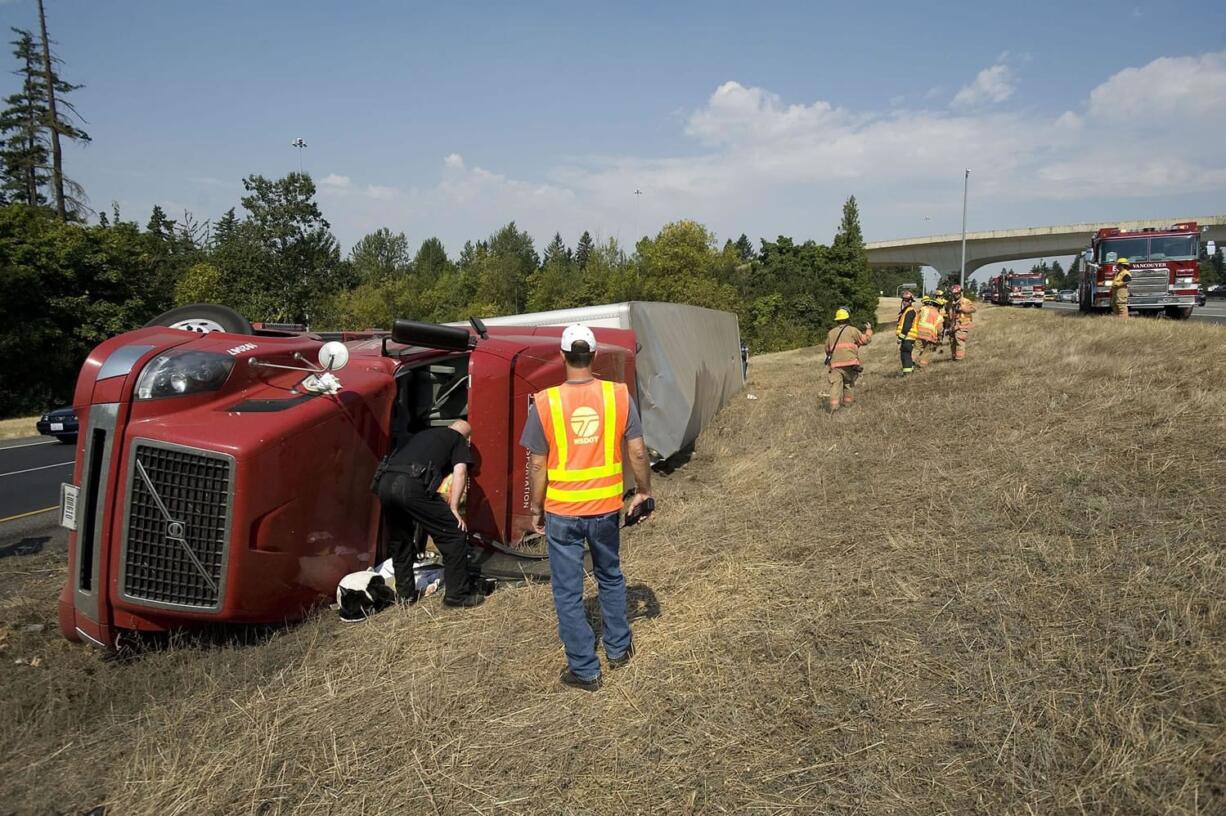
<point>422,473</point>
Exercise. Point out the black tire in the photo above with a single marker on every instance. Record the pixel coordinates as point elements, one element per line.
<point>203,318</point>
<point>1178,312</point>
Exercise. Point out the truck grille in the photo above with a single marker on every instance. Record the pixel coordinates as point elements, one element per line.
<point>177,525</point>
<point>1147,282</point>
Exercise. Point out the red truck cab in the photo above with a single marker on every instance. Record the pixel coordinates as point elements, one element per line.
<point>219,478</point>
<point>1018,289</point>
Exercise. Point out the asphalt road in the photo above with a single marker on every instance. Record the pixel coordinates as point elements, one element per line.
<point>31,471</point>
<point>1214,311</point>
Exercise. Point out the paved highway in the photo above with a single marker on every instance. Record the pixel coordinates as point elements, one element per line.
<point>1214,311</point>
<point>30,474</point>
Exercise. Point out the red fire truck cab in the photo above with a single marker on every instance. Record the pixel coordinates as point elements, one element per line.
<point>1018,289</point>
<point>1164,265</point>
<point>222,477</point>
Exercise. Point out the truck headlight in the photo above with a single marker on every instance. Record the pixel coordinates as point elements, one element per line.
<point>1183,281</point>
<point>178,373</point>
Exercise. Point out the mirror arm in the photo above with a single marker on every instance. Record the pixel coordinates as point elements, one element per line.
<point>256,362</point>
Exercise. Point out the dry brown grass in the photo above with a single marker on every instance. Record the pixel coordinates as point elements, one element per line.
<point>19,427</point>
<point>994,587</point>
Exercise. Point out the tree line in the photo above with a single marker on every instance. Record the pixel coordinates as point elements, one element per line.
<point>69,284</point>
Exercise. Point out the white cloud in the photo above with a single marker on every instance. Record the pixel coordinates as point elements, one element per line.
<point>1165,89</point>
<point>992,85</point>
<point>766,166</point>
<point>379,193</point>
<point>335,181</point>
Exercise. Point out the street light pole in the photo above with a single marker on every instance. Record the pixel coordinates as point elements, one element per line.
<point>300,144</point>
<point>966,181</point>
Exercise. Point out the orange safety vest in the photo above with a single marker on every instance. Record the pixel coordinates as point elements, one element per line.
<point>929,323</point>
<point>584,424</point>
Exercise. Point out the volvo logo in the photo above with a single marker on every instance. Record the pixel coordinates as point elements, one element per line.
<point>175,529</point>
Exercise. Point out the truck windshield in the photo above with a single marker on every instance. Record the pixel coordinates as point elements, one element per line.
<point>1026,283</point>
<point>1173,248</point>
<point>1134,249</point>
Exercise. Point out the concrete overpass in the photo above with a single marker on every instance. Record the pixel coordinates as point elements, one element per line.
<point>944,252</point>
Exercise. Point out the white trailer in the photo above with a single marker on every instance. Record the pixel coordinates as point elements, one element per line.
<point>687,367</point>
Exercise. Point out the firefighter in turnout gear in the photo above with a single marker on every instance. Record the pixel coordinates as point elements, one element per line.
<point>843,357</point>
<point>907,330</point>
<point>1119,288</point>
<point>960,313</point>
<point>928,328</point>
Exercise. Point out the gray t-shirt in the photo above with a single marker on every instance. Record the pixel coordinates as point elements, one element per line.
<point>533,437</point>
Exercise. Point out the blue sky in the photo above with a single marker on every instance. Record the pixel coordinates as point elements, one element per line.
<point>452,119</point>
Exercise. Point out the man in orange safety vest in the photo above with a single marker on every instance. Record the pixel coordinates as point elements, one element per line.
<point>579,434</point>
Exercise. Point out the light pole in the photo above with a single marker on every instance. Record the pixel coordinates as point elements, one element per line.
<point>966,181</point>
<point>300,144</point>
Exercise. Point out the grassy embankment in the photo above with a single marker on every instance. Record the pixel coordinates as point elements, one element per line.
<point>995,587</point>
<point>18,427</point>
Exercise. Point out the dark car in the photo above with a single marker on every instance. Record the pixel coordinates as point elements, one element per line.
<point>60,423</point>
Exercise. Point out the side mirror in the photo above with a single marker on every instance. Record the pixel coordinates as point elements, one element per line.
<point>333,356</point>
<point>432,335</point>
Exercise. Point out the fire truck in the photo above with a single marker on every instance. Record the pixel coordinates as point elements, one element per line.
<point>1164,265</point>
<point>223,469</point>
<point>1018,289</point>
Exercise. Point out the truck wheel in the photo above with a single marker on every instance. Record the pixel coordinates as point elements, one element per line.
<point>203,318</point>
<point>1178,312</point>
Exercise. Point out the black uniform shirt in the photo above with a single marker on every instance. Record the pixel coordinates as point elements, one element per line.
<point>442,447</point>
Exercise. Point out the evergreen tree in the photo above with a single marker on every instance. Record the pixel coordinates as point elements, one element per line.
<point>59,126</point>
<point>24,155</point>
<point>159,225</point>
<point>430,261</point>
<point>556,250</point>
<point>583,250</point>
<point>502,272</point>
<point>227,225</point>
<point>851,280</point>
<point>744,248</point>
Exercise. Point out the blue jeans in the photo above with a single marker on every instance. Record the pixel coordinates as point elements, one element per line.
<point>566,535</point>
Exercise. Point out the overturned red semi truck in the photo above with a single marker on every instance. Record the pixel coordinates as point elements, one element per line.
<point>223,475</point>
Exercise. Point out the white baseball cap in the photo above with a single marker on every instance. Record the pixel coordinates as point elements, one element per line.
<point>577,332</point>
